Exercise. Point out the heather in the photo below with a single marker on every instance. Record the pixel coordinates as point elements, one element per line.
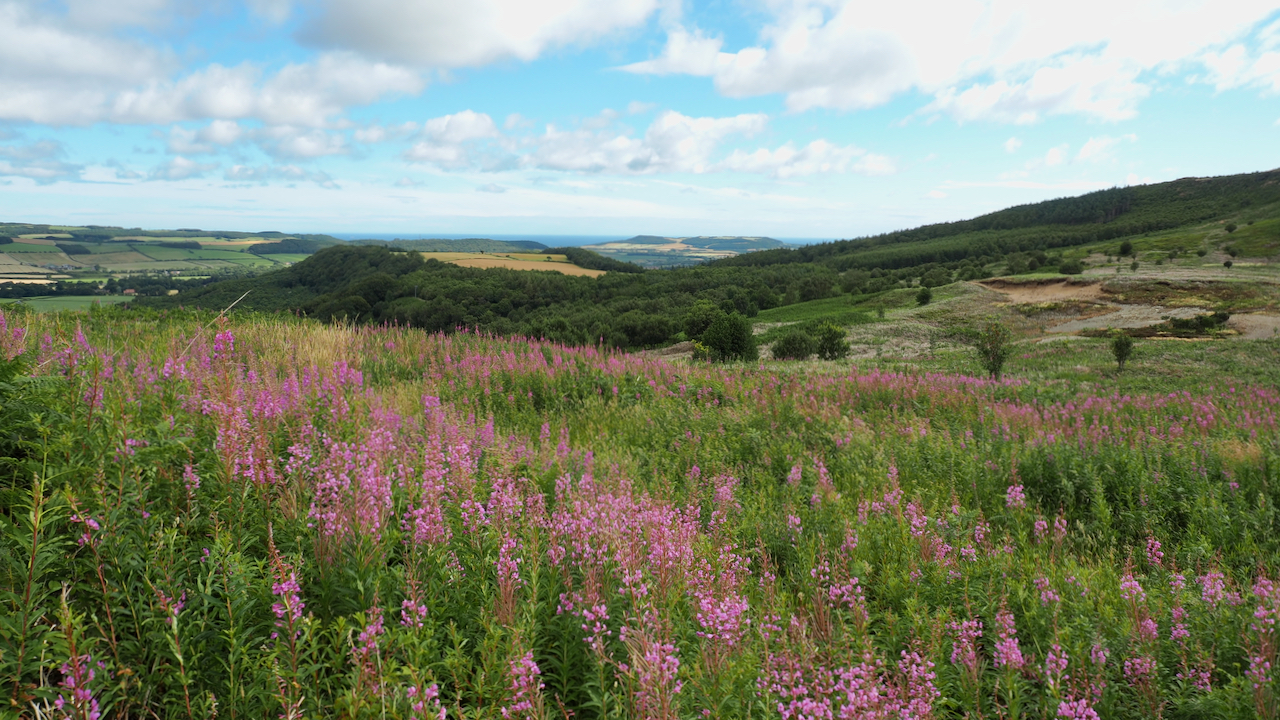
<point>266,517</point>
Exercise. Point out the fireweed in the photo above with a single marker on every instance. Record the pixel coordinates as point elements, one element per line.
<point>273,518</point>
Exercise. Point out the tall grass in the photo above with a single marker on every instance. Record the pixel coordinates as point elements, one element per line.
<point>258,518</point>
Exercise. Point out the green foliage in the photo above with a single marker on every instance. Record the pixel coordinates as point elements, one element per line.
<point>194,245</point>
<point>1121,348</point>
<point>1227,264</point>
<point>1126,249</point>
<point>73,249</point>
<point>1230,228</point>
<point>831,342</point>
<point>994,344</point>
<point>1133,266</point>
<point>700,317</point>
<point>1070,267</point>
<point>924,296</point>
<point>1201,252</point>
<point>729,337</point>
<point>593,261</point>
<point>795,345</point>
<point>936,277</point>
<point>5,240</point>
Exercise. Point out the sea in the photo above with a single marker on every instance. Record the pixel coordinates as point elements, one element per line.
<point>548,240</point>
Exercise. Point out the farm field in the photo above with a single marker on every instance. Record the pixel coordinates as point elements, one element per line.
<point>513,261</point>
<point>273,517</point>
<point>67,302</point>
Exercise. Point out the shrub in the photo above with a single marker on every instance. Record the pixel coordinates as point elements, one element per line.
<point>1227,264</point>
<point>880,312</point>
<point>729,338</point>
<point>1202,252</point>
<point>1133,266</point>
<point>1121,348</point>
<point>795,345</point>
<point>936,277</point>
<point>1232,250</point>
<point>924,296</point>
<point>1070,267</point>
<point>993,343</point>
<point>1231,227</point>
<point>831,342</point>
<point>1126,248</point>
<point>700,317</point>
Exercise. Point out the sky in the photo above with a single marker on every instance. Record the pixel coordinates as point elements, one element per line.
<point>788,118</point>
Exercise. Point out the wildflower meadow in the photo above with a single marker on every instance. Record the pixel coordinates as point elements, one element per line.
<point>260,517</point>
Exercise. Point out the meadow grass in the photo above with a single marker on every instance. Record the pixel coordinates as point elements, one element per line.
<point>264,516</point>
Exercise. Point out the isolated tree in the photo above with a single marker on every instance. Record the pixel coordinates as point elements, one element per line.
<point>795,345</point>
<point>831,344</point>
<point>924,296</point>
<point>1121,348</point>
<point>1232,250</point>
<point>1134,266</point>
<point>1231,227</point>
<point>1202,252</point>
<point>729,338</point>
<point>1126,248</point>
<point>994,345</point>
<point>1070,267</point>
<point>700,317</point>
<point>1227,264</point>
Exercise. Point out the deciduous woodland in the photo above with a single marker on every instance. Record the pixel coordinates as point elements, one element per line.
<point>269,517</point>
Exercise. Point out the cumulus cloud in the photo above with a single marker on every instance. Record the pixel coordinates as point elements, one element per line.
<point>457,141</point>
<point>1003,60</point>
<point>181,168</point>
<point>305,94</point>
<point>491,188</point>
<point>73,69</point>
<point>672,143</point>
<point>438,33</point>
<point>1012,144</point>
<point>40,161</point>
<point>208,139</point>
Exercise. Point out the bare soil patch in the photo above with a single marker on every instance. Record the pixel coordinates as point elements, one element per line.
<point>1255,326</point>
<point>1046,291</point>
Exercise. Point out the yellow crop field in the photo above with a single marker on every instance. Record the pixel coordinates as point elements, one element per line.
<point>513,261</point>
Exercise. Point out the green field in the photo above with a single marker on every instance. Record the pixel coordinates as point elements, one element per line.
<point>21,247</point>
<point>67,302</point>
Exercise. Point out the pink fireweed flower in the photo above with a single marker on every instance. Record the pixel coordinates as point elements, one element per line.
<point>1014,498</point>
<point>224,343</point>
<point>425,703</point>
<point>1041,529</point>
<point>1155,557</point>
<point>1179,631</point>
<point>1047,593</point>
<point>1131,590</point>
<point>12,340</point>
<point>1077,709</point>
<point>1140,670</point>
<point>1008,654</point>
<point>288,609</point>
<point>1213,588</point>
<point>919,692</point>
<point>964,651</point>
<point>1055,666</point>
<point>76,699</point>
<point>1147,631</point>
<point>1177,582</point>
<point>526,689</point>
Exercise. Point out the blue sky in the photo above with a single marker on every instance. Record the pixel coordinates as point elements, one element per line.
<point>790,118</point>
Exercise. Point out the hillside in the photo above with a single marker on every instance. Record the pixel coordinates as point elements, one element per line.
<point>1186,229</point>
<point>467,245</point>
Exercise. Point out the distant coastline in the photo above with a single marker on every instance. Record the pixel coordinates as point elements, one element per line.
<point>548,240</point>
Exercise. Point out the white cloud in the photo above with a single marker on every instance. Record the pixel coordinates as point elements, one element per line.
<point>40,161</point>
<point>817,157</point>
<point>1012,144</point>
<point>77,69</point>
<point>461,140</point>
<point>436,33</point>
<point>491,188</point>
<point>293,143</point>
<point>1099,149</point>
<point>672,143</point>
<point>208,139</point>
<point>1002,60</point>
<point>305,94</point>
<point>935,194</point>
<point>290,173</point>
<point>181,168</point>
<point>1056,156</point>
<point>273,11</point>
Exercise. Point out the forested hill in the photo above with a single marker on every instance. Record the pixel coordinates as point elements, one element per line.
<point>1053,224</point>
<point>633,308</point>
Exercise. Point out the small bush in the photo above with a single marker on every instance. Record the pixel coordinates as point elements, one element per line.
<point>795,345</point>
<point>1231,227</point>
<point>831,342</point>
<point>1121,348</point>
<point>729,338</point>
<point>1126,248</point>
<point>1232,250</point>
<point>1202,252</point>
<point>1070,267</point>
<point>924,297</point>
<point>993,343</point>
<point>1227,264</point>
<point>1133,266</point>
